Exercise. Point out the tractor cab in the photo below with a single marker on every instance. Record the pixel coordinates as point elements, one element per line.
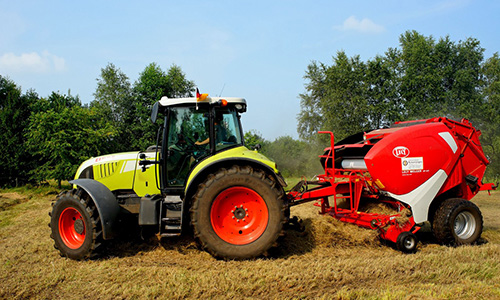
<point>192,130</point>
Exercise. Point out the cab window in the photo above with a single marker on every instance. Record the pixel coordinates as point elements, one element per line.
<point>227,129</point>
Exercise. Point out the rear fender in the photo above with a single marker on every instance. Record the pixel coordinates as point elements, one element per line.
<point>106,204</point>
<point>201,174</point>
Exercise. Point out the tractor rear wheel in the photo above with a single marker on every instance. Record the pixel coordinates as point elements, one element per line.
<point>238,213</point>
<point>457,222</point>
<point>75,225</point>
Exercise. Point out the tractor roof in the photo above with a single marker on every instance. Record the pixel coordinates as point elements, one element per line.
<point>164,101</point>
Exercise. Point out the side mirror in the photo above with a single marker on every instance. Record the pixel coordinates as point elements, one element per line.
<point>154,112</point>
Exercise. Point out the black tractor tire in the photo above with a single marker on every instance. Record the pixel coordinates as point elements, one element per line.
<point>75,224</point>
<point>238,213</point>
<point>457,222</point>
<point>407,242</point>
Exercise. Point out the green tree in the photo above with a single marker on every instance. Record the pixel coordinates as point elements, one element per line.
<point>252,138</point>
<point>420,79</point>
<point>439,77</point>
<point>490,116</point>
<point>15,110</point>
<point>152,85</point>
<point>113,93</point>
<point>56,101</point>
<point>310,115</point>
<point>114,104</point>
<point>382,96</point>
<point>337,98</point>
<point>179,85</point>
<point>63,136</point>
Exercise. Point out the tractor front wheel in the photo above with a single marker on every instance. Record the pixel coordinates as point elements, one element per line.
<point>75,225</point>
<point>457,222</point>
<point>238,213</point>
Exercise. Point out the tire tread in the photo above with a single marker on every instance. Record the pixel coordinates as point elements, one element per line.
<point>442,226</point>
<point>221,174</point>
<point>78,195</point>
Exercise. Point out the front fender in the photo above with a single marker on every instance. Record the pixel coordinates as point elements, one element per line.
<point>105,202</point>
<point>234,154</point>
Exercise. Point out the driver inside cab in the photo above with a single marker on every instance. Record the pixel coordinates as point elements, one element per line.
<point>220,131</point>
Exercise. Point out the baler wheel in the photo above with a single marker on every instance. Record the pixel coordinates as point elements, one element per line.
<point>457,222</point>
<point>407,242</point>
<point>238,213</point>
<point>75,225</point>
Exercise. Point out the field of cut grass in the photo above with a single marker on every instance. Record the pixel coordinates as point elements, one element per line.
<point>331,260</point>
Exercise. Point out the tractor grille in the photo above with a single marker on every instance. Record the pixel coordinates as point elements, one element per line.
<point>106,169</point>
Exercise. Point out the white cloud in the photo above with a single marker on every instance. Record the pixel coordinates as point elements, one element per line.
<point>31,63</point>
<point>364,26</point>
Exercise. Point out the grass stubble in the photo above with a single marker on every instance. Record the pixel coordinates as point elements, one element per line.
<point>332,260</point>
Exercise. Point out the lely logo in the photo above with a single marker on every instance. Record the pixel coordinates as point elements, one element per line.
<point>400,152</point>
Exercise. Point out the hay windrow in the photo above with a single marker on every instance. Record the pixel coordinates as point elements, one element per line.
<point>10,199</point>
<point>330,232</point>
<point>381,208</point>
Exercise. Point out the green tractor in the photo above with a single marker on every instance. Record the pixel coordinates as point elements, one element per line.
<point>199,173</point>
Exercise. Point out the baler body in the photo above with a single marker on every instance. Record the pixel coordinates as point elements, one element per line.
<point>412,165</point>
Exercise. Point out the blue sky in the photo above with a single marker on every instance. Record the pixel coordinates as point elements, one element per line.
<point>255,49</point>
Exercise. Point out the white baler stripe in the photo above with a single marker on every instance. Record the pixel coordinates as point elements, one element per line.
<point>450,140</point>
<point>420,198</point>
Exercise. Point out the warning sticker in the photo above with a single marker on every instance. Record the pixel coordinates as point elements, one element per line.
<point>412,163</point>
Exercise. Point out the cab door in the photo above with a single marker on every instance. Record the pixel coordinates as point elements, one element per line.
<point>187,142</point>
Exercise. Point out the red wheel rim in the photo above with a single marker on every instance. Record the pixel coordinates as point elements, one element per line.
<point>72,228</point>
<point>239,215</point>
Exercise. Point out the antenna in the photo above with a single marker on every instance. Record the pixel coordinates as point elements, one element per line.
<point>220,94</point>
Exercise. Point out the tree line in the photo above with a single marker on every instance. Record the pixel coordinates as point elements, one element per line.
<point>48,137</point>
<point>422,78</point>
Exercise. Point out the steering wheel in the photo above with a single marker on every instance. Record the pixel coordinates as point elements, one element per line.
<point>189,141</point>
<point>190,145</point>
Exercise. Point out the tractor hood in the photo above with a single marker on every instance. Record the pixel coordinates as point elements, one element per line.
<point>121,171</point>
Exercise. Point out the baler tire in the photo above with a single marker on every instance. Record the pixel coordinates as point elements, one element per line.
<point>457,222</point>
<point>238,213</point>
<point>407,242</point>
<point>75,225</point>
